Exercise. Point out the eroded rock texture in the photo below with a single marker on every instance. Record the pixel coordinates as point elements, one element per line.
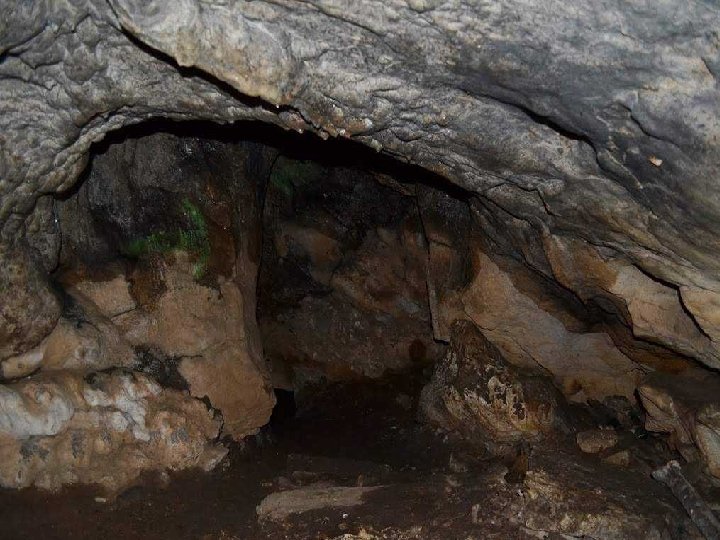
<point>476,392</point>
<point>596,127</point>
<point>104,428</point>
<point>155,291</point>
<point>343,290</point>
<point>583,141</point>
<point>164,237</point>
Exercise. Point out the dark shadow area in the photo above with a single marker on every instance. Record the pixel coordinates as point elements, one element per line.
<point>305,147</point>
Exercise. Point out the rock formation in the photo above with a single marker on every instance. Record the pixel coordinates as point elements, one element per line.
<point>476,391</point>
<point>578,149</point>
<point>104,428</point>
<point>343,291</point>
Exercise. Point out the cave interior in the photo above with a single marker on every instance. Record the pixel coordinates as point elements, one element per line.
<point>262,333</point>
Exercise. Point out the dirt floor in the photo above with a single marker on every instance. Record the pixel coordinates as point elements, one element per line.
<point>351,435</point>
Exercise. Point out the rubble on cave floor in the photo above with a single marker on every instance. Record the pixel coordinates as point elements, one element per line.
<point>355,463</point>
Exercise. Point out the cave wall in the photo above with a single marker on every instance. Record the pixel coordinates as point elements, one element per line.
<point>156,353</point>
<point>605,138</point>
<point>584,138</point>
<point>343,289</point>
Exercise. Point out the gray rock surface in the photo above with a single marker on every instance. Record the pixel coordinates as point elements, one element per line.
<point>595,122</point>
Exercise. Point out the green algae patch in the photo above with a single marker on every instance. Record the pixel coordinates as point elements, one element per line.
<point>192,239</point>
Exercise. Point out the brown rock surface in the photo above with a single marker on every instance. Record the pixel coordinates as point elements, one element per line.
<point>112,297</point>
<point>573,499</point>
<point>584,365</point>
<point>233,383</point>
<point>343,292</point>
<point>205,327</point>
<point>621,458</point>
<point>476,392</point>
<point>596,440</point>
<point>28,308</point>
<point>687,406</point>
<point>164,237</point>
<point>655,311</point>
<point>83,339</point>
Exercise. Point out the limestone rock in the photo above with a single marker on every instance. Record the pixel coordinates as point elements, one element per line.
<point>596,440</point>
<point>112,297</point>
<point>584,364</point>
<point>106,428</point>
<point>610,140</point>
<point>600,127</point>
<point>475,391</point>
<point>22,364</point>
<point>687,406</point>
<point>448,228</point>
<point>280,505</point>
<point>34,409</point>
<point>234,385</point>
<point>188,305</point>
<point>205,328</point>
<point>344,292</point>
<point>655,311</point>
<point>578,501</point>
<point>28,308</point>
<point>42,232</point>
<point>322,250</point>
<point>82,339</point>
<point>621,458</point>
<point>92,342</point>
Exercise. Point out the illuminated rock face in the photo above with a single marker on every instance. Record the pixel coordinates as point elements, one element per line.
<point>476,391</point>
<point>106,429</point>
<point>585,151</point>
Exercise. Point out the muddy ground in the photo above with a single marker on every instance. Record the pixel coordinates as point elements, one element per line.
<point>360,434</point>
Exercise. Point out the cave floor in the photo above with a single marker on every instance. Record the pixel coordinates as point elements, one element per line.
<point>348,435</point>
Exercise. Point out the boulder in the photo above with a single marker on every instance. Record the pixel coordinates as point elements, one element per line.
<point>593,441</point>
<point>686,406</point>
<point>106,428</point>
<point>28,307</point>
<point>477,393</point>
